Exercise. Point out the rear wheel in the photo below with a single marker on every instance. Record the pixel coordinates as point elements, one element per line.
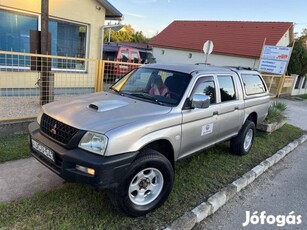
<point>146,186</point>
<point>242,143</point>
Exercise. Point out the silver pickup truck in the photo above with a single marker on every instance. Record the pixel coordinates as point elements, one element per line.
<point>128,139</point>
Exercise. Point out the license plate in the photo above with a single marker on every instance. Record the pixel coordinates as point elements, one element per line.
<point>43,150</point>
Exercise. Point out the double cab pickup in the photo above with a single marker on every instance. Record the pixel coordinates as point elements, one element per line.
<point>127,140</point>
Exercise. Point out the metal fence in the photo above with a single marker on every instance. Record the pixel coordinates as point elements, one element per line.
<point>24,82</point>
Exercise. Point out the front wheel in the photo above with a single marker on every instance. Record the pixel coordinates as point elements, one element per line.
<point>242,143</point>
<point>146,186</point>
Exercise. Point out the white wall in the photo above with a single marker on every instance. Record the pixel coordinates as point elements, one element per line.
<point>164,55</point>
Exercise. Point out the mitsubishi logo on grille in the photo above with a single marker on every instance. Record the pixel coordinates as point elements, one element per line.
<point>53,129</point>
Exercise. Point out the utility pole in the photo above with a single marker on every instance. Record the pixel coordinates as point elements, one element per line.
<point>45,63</point>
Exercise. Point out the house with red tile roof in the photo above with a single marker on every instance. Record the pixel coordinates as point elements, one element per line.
<point>236,43</point>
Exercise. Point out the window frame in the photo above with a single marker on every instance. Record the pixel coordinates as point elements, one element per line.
<point>86,46</point>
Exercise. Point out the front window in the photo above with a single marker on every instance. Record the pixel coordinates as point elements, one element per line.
<point>153,85</point>
<point>15,36</point>
<point>206,87</point>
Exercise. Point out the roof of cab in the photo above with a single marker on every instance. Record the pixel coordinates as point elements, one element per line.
<point>188,68</point>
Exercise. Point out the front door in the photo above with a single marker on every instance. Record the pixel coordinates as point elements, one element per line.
<point>200,126</point>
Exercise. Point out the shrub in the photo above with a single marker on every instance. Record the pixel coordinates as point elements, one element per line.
<point>276,112</point>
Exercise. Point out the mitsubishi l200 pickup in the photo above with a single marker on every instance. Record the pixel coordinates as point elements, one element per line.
<point>129,139</point>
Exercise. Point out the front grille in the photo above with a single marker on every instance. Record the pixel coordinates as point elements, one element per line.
<point>57,130</point>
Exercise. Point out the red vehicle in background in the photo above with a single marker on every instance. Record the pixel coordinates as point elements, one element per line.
<point>124,52</point>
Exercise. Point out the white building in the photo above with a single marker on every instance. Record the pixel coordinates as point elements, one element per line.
<point>236,43</point>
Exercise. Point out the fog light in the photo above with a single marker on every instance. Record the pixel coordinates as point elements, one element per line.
<point>85,170</point>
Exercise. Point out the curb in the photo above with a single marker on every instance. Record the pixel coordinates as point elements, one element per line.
<point>207,208</point>
<point>15,126</point>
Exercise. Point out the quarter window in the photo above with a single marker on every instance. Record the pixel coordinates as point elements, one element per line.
<point>227,88</point>
<point>253,84</point>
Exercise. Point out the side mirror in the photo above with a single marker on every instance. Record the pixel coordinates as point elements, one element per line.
<point>200,101</point>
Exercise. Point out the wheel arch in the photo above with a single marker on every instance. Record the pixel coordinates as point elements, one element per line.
<point>164,147</point>
<point>253,117</point>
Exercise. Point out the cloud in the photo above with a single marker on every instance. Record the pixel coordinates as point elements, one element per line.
<point>136,15</point>
<point>143,1</point>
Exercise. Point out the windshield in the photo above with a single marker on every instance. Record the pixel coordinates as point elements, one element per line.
<point>154,85</point>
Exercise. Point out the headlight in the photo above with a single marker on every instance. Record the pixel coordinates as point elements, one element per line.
<point>39,116</point>
<point>94,142</point>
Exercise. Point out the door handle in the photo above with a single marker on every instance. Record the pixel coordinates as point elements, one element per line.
<point>237,108</point>
<point>215,113</point>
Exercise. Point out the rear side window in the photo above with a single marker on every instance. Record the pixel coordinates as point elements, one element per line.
<point>227,88</point>
<point>253,84</point>
<point>124,54</point>
<point>134,57</point>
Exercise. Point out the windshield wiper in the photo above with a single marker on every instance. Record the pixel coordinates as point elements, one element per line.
<point>144,96</point>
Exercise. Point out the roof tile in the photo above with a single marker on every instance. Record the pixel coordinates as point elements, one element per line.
<point>229,37</point>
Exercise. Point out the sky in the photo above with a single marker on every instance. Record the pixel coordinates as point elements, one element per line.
<point>152,16</point>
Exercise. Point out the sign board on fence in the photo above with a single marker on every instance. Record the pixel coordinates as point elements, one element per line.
<point>274,59</point>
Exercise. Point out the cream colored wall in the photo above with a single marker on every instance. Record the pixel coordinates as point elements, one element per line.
<point>285,40</point>
<point>17,80</point>
<point>77,11</point>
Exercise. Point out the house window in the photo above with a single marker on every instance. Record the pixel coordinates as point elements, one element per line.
<point>15,36</point>
<point>68,40</point>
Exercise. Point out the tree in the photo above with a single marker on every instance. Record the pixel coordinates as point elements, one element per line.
<point>298,60</point>
<point>126,34</point>
<point>139,37</point>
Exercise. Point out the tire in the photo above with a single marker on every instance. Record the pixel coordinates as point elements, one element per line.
<point>146,186</point>
<point>242,143</point>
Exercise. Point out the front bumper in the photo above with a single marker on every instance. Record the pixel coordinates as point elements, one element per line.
<point>109,170</point>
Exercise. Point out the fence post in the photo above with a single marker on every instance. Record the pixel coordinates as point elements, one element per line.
<point>99,76</point>
<point>45,78</point>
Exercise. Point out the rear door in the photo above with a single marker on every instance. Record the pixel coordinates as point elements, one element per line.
<point>232,105</point>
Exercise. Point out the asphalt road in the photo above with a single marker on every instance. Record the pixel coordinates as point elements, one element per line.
<point>279,191</point>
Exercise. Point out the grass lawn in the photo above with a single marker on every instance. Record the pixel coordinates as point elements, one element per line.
<point>14,147</point>
<point>304,96</point>
<point>79,207</point>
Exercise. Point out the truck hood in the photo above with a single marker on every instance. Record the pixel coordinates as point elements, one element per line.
<point>101,112</point>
